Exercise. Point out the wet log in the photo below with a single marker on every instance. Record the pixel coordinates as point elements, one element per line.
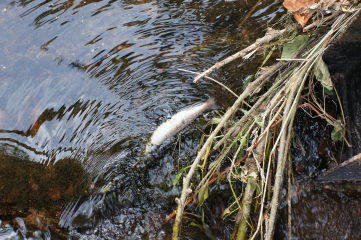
<point>349,170</point>
<point>343,58</point>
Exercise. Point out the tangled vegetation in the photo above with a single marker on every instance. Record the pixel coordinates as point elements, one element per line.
<point>260,140</point>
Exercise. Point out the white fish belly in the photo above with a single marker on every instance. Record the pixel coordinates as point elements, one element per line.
<point>176,123</point>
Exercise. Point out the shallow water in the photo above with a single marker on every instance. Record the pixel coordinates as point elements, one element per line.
<point>83,85</point>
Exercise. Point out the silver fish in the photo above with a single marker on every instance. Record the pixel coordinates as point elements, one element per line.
<point>177,123</point>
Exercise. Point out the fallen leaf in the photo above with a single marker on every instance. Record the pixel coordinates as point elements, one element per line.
<point>304,9</point>
<point>215,120</point>
<point>323,75</point>
<point>291,48</point>
<point>301,19</point>
<point>336,134</point>
<point>297,5</point>
<point>203,194</point>
<point>54,194</point>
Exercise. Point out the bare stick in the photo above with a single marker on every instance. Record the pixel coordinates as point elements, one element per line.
<point>259,42</point>
<point>214,80</point>
<point>249,13</point>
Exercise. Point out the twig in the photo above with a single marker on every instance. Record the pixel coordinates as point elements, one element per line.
<point>261,41</point>
<point>316,23</point>
<point>249,13</point>
<point>329,121</point>
<point>214,80</point>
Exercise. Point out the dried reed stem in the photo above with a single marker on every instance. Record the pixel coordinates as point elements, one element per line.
<point>259,42</point>
<point>282,152</point>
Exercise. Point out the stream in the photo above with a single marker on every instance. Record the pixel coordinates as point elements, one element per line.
<point>83,84</point>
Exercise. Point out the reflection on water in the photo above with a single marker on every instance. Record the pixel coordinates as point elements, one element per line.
<point>85,82</point>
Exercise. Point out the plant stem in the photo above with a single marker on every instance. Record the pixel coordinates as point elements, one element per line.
<point>282,152</point>
<point>247,200</point>
<point>289,200</point>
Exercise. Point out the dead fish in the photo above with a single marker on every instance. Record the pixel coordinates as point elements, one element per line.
<point>177,123</point>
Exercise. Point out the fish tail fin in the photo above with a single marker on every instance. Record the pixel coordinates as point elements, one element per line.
<point>213,103</point>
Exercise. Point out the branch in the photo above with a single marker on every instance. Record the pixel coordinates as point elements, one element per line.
<point>261,41</point>
<point>214,80</point>
<point>247,200</point>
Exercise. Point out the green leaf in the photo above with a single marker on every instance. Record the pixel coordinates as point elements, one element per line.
<point>323,75</point>
<point>243,141</point>
<point>248,80</point>
<point>200,143</point>
<point>212,164</point>
<point>179,175</point>
<point>258,120</point>
<point>244,111</point>
<point>193,224</point>
<point>291,48</point>
<point>208,151</point>
<point>206,194</point>
<point>336,135</point>
<point>328,92</point>
<point>294,142</point>
<point>203,194</point>
<point>214,121</point>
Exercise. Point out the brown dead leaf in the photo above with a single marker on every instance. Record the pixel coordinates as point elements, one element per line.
<point>297,5</point>
<point>54,194</point>
<point>301,19</point>
<point>304,9</point>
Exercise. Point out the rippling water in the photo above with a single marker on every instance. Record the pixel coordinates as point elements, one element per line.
<point>83,85</point>
<point>80,75</point>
